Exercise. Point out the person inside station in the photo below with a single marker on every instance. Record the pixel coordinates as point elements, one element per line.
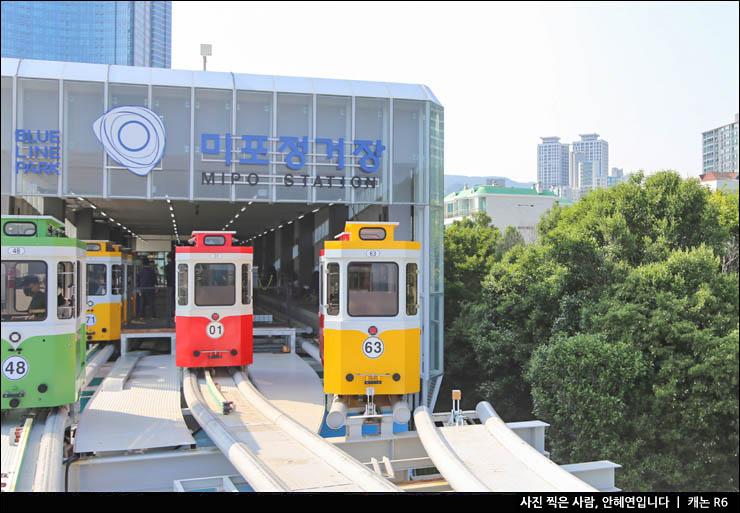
<point>147,284</point>
<point>32,289</point>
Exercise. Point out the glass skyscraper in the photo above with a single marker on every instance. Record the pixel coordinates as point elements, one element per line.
<point>127,33</point>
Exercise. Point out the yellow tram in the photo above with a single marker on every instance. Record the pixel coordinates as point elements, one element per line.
<point>105,283</point>
<point>369,318</point>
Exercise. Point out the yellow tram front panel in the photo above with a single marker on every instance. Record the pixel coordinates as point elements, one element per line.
<point>370,324</point>
<point>103,322</point>
<point>343,355</point>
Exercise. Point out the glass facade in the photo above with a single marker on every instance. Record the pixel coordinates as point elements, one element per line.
<point>127,33</point>
<point>240,138</point>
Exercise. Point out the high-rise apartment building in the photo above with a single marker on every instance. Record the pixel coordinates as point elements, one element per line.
<point>574,161</point>
<point>552,162</point>
<point>616,177</point>
<point>720,149</point>
<point>596,152</point>
<point>126,33</point>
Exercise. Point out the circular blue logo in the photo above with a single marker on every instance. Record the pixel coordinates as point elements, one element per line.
<point>132,136</point>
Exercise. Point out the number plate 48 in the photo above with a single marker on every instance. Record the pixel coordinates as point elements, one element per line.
<point>15,368</point>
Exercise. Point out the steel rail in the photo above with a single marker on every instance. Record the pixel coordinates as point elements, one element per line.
<point>330,454</point>
<point>48,476</point>
<point>259,476</point>
<point>443,456</point>
<point>546,469</point>
<point>97,361</point>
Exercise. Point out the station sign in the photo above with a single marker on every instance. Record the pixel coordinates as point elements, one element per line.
<point>135,138</point>
<point>38,151</point>
<point>294,153</point>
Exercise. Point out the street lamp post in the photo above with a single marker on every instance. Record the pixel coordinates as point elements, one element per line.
<point>205,51</point>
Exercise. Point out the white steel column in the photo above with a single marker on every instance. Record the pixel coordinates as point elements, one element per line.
<point>192,142</point>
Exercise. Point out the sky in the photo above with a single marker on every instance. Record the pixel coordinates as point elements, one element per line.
<point>648,77</point>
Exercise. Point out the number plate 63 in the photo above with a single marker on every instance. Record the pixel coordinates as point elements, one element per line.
<point>373,347</point>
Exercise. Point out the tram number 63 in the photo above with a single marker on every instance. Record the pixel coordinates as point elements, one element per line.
<point>15,367</point>
<point>373,347</point>
<point>215,329</point>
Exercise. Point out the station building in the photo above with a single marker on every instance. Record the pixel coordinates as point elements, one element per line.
<point>144,156</point>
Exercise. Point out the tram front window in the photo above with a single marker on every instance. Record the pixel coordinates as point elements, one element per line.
<point>373,289</point>
<point>96,279</point>
<point>215,284</point>
<point>23,290</point>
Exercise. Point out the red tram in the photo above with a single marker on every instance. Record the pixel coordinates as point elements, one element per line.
<point>213,322</point>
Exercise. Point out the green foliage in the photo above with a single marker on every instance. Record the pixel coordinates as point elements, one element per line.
<point>620,328</point>
<point>470,248</point>
<point>511,238</point>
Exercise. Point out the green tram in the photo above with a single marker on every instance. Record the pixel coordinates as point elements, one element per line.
<point>43,313</point>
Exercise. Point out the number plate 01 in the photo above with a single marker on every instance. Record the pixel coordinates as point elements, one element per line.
<point>215,329</point>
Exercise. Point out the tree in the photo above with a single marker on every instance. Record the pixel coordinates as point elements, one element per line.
<point>511,238</point>
<point>619,327</point>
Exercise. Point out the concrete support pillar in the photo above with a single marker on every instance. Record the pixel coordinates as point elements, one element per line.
<point>8,205</point>
<point>305,250</point>
<point>338,214</point>
<point>100,231</point>
<point>269,258</point>
<point>53,207</point>
<point>83,221</point>
<point>117,235</point>
<point>286,254</point>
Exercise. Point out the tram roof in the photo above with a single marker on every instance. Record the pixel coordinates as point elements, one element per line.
<point>32,218</point>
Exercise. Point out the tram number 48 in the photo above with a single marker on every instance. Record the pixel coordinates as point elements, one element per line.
<point>15,367</point>
<point>215,329</point>
<point>373,347</point>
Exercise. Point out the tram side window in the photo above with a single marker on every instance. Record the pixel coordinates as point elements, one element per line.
<point>372,289</point>
<point>412,306</point>
<point>332,289</point>
<point>66,291</point>
<point>246,288</point>
<point>215,284</point>
<point>116,279</point>
<point>96,280</point>
<point>23,290</point>
<point>182,284</point>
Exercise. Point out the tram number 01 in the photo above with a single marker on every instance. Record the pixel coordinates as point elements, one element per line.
<point>15,368</point>
<point>215,329</point>
<point>373,347</point>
